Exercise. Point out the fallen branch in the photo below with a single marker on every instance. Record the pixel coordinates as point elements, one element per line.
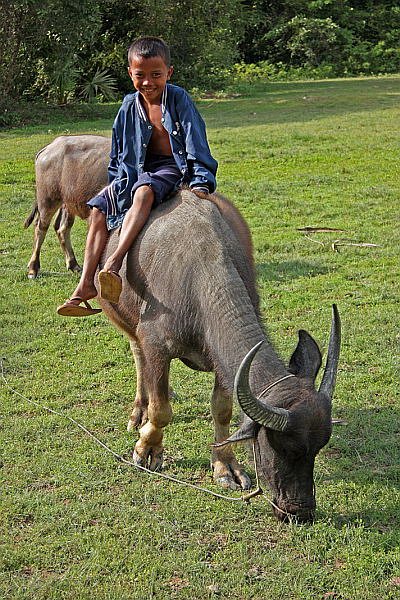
<point>319,229</point>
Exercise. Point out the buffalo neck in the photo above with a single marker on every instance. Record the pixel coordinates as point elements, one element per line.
<point>233,328</point>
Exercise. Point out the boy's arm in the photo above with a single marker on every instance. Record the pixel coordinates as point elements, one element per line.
<point>202,165</point>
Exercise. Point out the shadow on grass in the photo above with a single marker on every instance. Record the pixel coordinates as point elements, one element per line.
<point>288,270</point>
<point>365,454</point>
<point>375,520</point>
<point>270,103</point>
<point>368,443</point>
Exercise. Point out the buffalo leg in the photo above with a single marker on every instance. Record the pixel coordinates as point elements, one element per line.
<point>62,226</point>
<point>42,223</point>
<point>227,471</point>
<point>149,449</point>
<point>139,412</point>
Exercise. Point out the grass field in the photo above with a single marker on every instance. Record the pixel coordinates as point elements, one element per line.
<point>76,524</point>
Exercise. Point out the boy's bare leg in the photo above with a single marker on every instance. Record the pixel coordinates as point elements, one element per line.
<point>134,222</point>
<point>95,243</point>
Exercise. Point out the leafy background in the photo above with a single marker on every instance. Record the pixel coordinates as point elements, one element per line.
<point>215,44</point>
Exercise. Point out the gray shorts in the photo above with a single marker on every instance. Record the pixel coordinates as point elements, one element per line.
<point>161,174</point>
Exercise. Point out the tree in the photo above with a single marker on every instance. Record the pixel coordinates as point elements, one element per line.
<point>203,36</point>
<point>350,35</point>
<point>57,49</point>
<point>40,48</point>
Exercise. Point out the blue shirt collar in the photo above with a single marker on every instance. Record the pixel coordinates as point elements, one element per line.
<point>142,112</point>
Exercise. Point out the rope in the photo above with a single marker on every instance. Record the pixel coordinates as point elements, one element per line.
<point>274,384</point>
<point>242,498</point>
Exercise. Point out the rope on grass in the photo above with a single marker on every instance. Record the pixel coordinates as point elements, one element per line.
<point>243,498</point>
<point>345,242</point>
<point>307,231</point>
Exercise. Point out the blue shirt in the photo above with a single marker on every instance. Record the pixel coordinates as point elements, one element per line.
<point>131,135</point>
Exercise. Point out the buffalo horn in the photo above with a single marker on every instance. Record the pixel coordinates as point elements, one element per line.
<point>329,379</point>
<point>269,416</point>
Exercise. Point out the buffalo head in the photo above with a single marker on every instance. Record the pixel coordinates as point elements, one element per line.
<point>290,422</point>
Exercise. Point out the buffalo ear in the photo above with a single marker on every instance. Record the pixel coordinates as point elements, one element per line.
<point>247,431</point>
<point>306,359</point>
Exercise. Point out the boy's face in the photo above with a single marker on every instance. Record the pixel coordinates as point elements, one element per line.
<point>149,76</point>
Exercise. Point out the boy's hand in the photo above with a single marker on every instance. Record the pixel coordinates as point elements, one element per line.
<point>201,192</point>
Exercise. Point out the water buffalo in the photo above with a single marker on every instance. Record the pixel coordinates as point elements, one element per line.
<point>69,171</point>
<point>189,293</point>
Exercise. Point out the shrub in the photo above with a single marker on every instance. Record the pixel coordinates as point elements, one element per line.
<point>262,71</point>
<point>102,85</point>
<point>368,58</point>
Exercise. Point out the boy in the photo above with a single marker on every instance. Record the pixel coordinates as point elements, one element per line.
<point>158,143</point>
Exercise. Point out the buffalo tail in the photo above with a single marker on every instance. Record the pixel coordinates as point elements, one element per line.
<point>29,219</point>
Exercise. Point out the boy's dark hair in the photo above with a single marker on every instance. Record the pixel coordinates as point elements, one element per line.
<point>148,47</point>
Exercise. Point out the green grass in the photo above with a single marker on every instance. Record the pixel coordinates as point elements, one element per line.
<point>76,524</point>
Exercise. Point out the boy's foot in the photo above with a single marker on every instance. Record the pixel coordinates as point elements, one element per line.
<point>110,286</point>
<point>72,308</point>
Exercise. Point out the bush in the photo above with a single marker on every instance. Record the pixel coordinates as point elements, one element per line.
<point>266,71</point>
<point>100,86</point>
<point>372,59</point>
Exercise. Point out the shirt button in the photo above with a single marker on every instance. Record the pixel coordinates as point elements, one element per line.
<point>149,127</point>
<point>162,120</point>
<point>180,151</point>
<point>174,132</point>
<point>183,170</point>
<point>140,164</point>
<point>144,145</point>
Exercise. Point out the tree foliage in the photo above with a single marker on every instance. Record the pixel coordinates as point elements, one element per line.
<point>40,44</point>
<point>65,50</point>
<point>352,36</point>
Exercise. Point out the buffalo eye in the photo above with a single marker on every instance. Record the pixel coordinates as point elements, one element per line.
<point>292,447</point>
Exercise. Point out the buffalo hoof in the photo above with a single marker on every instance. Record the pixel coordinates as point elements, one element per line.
<point>234,478</point>
<point>228,483</point>
<point>152,461</point>
<point>32,275</point>
<point>75,268</point>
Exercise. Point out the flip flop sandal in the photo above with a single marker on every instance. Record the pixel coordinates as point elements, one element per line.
<point>71,309</point>
<point>110,286</point>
